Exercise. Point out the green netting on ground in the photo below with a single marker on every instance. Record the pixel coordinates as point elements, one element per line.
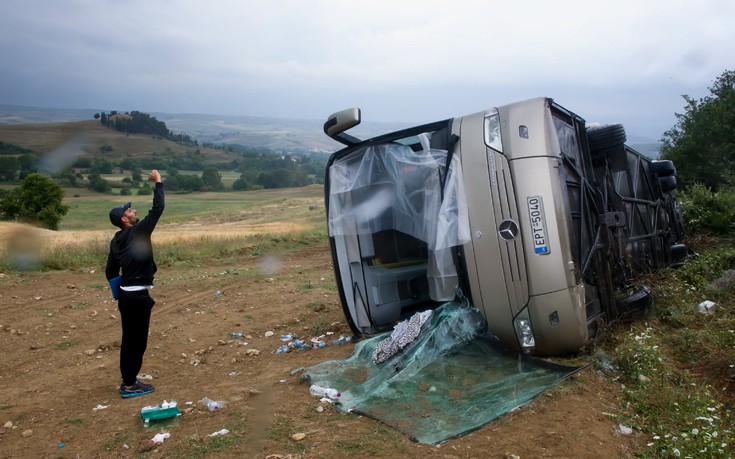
<point>452,379</point>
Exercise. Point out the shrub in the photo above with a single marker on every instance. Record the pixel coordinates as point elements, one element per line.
<point>709,212</point>
<point>38,199</point>
<point>144,190</point>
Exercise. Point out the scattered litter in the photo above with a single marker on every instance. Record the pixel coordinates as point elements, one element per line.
<point>234,373</point>
<point>212,405</point>
<point>236,335</point>
<point>625,430</point>
<point>298,436</point>
<point>165,410</point>
<point>315,342</point>
<point>217,293</point>
<point>268,334</point>
<point>61,445</point>
<point>341,340</point>
<point>297,370</point>
<point>158,438</point>
<point>706,307</point>
<point>100,407</point>
<point>145,377</point>
<point>320,409</point>
<point>219,432</point>
<point>298,344</point>
<point>252,352</point>
<point>324,391</point>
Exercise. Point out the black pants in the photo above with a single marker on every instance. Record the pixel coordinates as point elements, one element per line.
<point>135,315</point>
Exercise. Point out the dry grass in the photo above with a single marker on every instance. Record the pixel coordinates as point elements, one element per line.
<point>16,237</point>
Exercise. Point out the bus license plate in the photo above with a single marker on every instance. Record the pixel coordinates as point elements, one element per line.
<point>538,225</point>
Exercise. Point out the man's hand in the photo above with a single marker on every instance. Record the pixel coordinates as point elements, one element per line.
<point>155,176</point>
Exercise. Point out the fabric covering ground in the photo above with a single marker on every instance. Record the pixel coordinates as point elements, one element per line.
<point>452,378</point>
<point>59,332</point>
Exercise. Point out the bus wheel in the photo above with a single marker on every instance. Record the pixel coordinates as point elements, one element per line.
<point>662,168</point>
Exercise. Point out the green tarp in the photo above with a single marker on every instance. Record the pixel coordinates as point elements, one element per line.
<point>452,379</point>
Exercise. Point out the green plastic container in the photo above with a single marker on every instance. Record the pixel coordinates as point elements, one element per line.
<point>165,410</point>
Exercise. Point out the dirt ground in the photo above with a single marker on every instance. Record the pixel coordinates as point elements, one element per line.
<point>60,331</point>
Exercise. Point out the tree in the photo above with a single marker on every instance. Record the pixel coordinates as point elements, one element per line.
<point>38,199</point>
<point>212,179</point>
<point>702,144</point>
<point>129,163</point>
<point>145,190</point>
<point>9,168</point>
<point>101,166</point>
<point>170,182</point>
<point>189,182</point>
<point>98,184</point>
<point>244,182</point>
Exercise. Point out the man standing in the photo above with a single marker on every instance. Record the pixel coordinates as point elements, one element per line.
<point>131,251</point>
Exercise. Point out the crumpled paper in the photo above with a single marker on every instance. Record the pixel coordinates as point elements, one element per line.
<point>158,438</point>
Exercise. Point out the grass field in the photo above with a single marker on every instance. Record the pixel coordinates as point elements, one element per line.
<point>194,226</point>
<point>89,210</point>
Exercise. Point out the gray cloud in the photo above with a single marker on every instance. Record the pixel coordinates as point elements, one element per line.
<point>411,61</point>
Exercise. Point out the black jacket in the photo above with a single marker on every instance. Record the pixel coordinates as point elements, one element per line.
<point>131,248</point>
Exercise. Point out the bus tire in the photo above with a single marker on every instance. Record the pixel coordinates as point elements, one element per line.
<point>662,167</point>
<point>604,137</point>
<point>667,183</point>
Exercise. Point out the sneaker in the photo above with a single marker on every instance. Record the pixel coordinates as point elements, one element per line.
<point>136,389</point>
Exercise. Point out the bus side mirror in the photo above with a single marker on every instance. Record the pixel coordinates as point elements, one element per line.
<point>338,123</point>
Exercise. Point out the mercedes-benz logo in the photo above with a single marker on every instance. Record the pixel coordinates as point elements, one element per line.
<point>508,230</point>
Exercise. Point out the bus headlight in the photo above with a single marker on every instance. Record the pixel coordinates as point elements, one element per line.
<point>492,130</point>
<point>524,332</point>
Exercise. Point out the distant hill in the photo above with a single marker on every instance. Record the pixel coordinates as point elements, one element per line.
<point>16,114</point>
<point>276,134</point>
<point>68,141</point>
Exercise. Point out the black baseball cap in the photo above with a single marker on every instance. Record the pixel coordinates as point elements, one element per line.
<point>117,213</point>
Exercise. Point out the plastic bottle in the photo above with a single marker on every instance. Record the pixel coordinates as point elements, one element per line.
<point>236,335</point>
<point>320,391</point>
<point>212,405</point>
<point>342,340</point>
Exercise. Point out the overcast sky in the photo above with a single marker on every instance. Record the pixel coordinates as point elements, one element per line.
<point>625,61</point>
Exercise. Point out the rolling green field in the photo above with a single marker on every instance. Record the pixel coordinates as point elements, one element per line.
<point>89,210</point>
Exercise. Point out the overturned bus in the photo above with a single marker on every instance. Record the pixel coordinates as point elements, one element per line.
<point>542,222</point>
